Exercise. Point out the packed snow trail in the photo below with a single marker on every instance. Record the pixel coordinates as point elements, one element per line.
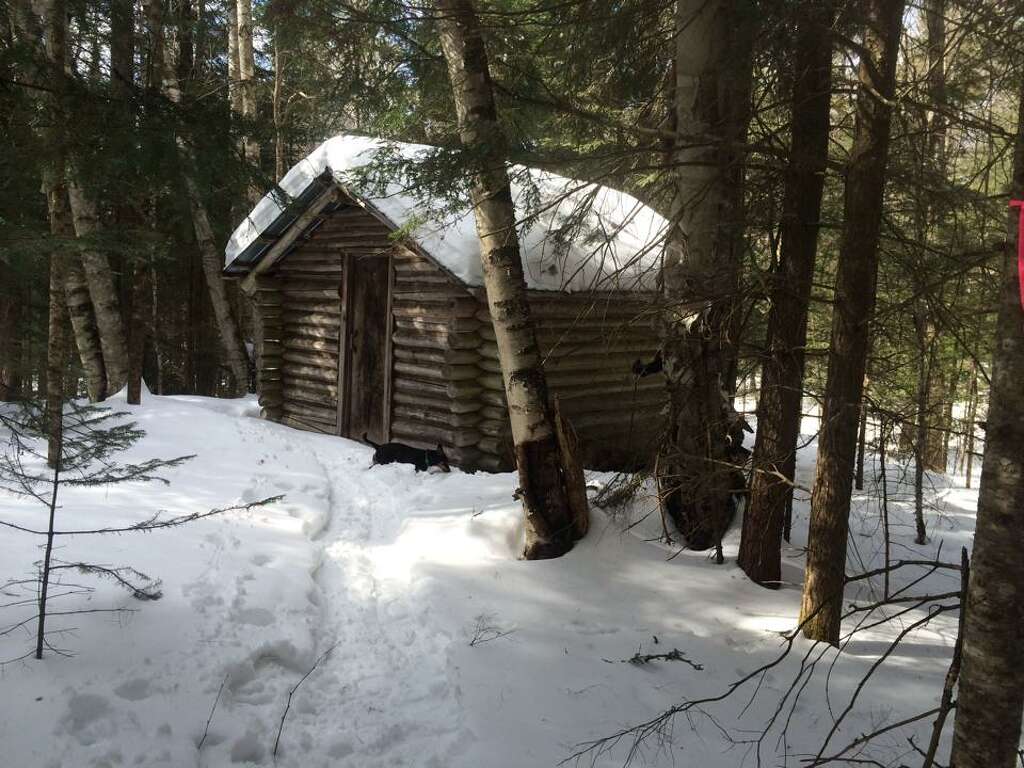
<point>398,572</point>
<point>386,669</point>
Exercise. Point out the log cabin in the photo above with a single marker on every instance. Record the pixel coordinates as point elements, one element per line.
<point>371,316</point>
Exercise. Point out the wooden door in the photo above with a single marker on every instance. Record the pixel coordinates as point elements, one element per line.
<point>368,327</point>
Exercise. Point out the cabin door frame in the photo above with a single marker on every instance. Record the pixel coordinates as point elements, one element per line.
<point>347,293</point>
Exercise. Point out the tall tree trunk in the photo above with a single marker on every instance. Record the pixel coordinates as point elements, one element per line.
<point>141,311</point>
<point>932,434</point>
<point>56,344</point>
<point>856,282</point>
<point>780,405</point>
<point>549,521</point>
<point>247,95</point>
<point>102,290</point>
<point>925,332</point>
<point>12,339</point>
<point>234,91</point>
<point>76,290</point>
<point>936,455</point>
<point>278,112</point>
<point>54,22</point>
<point>972,414</point>
<point>701,265</point>
<point>122,48</point>
<point>991,697</point>
<point>236,358</point>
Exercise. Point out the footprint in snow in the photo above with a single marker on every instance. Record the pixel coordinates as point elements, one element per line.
<point>134,690</point>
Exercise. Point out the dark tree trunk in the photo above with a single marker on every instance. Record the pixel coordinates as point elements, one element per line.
<point>780,405</point>
<point>991,697</point>
<point>701,266</point>
<point>141,309</point>
<point>854,304</point>
<point>12,338</point>
<point>550,529</point>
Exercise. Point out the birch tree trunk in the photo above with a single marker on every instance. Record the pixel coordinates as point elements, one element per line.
<point>161,65</point>
<point>102,291</point>
<point>824,575</point>
<point>701,265</point>
<point>30,28</point>
<point>991,697</point>
<point>549,524</point>
<point>780,404</point>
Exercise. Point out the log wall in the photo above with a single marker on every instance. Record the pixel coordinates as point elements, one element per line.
<point>445,376</point>
<point>589,345</point>
<point>435,346</point>
<point>308,280</point>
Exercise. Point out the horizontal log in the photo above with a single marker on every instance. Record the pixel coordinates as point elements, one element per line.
<point>441,403</point>
<point>424,434</point>
<point>590,426</point>
<point>436,357</point>
<point>266,300</point>
<point>312,373</point>
<point>312,319</point>
<point>495,398</point>
<point>318,286</point>
<point>577,362</point>
<point>440,326</point>
<point>323,294</point>
<point>425,294</point>
<point>455,390</point>
<point>438,372</point>
<point>551,332</point>
<point>309,425</point>
<point>650,388</point>
<point>494,412</point>
<point>603,313</point>
<point>500,447</point>
<point>320,415</point>
<point>423,340</point>
<point>437,417</point>
<point>494,427</point>
<point>406,282</point>
<point>313,265</point>
<point>310,345</point>
<point>321,359</point>
<point>465,457</point>
<point>292,330</point>
<point>316,392</point>
<point>433,307</point>
<point>416,265</point>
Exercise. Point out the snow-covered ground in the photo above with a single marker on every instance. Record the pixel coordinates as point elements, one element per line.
<point>397,572</point>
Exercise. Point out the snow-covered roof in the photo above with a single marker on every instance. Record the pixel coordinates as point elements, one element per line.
<point>574,235</point>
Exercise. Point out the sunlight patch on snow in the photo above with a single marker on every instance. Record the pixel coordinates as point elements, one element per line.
<point>777,624</point>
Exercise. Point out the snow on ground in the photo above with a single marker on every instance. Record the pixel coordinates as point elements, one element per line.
<point>397,572</point>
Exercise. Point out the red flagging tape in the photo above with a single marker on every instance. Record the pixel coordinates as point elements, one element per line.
<point>1020,247</point>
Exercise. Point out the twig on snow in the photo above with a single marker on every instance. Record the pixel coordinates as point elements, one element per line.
<point>206,730</point>
<point>288,704</point>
